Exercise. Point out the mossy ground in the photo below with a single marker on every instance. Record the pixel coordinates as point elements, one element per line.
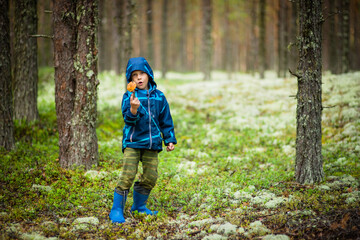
<point>234,138</point>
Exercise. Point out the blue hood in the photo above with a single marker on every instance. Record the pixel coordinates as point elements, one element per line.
<point>139,63</point>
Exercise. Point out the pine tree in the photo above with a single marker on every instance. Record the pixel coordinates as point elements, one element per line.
<point>6,113</point>
<point>25,61</point>
<point>75,58</point>
<point>309,162</point>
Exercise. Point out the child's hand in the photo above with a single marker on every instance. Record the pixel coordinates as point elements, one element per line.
<point>170,147</point>
<point>134,103</point>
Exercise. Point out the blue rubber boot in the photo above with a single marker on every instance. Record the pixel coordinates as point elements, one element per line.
<point>117,211</point>
<point>140,204</point>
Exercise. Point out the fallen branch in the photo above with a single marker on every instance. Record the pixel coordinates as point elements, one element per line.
<point>195,232</point>
<point>330,106</point>
<point>42,35</point>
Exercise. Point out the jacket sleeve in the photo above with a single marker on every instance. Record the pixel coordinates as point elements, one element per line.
<point>129,118</point>
<point>166,124</point>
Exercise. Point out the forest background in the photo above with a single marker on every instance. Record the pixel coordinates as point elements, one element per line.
<point>210,187</point>
<point>174,41</point>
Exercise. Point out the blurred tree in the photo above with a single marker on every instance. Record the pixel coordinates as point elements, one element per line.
<point>293,53</point>
<point>183,35</point>
<point>120,19</point>
<point>332,43</point>
<point>130,12</point>
<point>128,41</point>
<point>104,36</point>
<point>228,56</point>
<point>45,44</point>
<point>164,36</point>
<point>262,47</point>
<point>252,65</point>
<point>206,39</point>
<point>355,35</point>
<point>149,24</point>
<point>345,36</point>
<point>75,59</point>
<point>283,38</point>
<point>25,61</point>
<point>6,112</point>
<point>309,162</point>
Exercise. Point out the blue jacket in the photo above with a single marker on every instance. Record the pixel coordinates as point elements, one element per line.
<point>152,123</point>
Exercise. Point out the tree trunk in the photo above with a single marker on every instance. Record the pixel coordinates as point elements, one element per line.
<point>345,36</point>
<point>285,52</point>
<point>354,25</point>
<point>25,61</point>
<point>262,49</point>
<point>75,59</point>
<point>130,12</point>
<point>309,163</point>
<point>332,39</point>
<point>6,113</point>
<point>149,31</point>
<point>183,35</point>
<point>164,44</point>
<point>206,41</point>
<point>293,33</point>
<point>253,39</point>
<point>229,58</point>
<point>280,36</point>
<point>120,19</point>
<point>45,47</point>
<point>102,33</point>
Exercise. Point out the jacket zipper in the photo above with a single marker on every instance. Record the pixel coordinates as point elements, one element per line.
<point>132,134</point>
<point>148,95</point>
<point>133,129</point>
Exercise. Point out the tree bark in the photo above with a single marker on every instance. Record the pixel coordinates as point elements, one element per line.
<point>25,61</point>
<point>75,58</point>
<point>207,40</point>
<point>309,162</point>
<point>6,113</point>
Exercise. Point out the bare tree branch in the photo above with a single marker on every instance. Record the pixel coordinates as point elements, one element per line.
<point>294,74</point>
<point>41,35</point>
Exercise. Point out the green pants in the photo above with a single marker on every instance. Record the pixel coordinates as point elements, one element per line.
<point>132,157</point>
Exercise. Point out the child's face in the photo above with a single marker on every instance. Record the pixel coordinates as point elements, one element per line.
<point>141,79</point>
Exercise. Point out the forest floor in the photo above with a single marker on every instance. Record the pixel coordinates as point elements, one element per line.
<point>231,175</point>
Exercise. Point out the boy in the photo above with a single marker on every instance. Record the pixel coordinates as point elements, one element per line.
<point>147,123</point>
